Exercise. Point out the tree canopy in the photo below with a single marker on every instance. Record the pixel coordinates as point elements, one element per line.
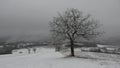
<point>73,25</point>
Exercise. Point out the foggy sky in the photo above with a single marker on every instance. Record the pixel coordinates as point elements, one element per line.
<point>31,17</point>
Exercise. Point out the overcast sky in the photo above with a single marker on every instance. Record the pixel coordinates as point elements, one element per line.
<point>24,17</point>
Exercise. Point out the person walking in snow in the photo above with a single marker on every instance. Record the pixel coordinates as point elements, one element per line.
<point>34,49</point>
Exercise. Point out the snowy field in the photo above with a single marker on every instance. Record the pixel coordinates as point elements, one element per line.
<point>48,58</point>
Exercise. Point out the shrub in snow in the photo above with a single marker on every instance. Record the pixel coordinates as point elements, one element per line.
<point>104,50</point>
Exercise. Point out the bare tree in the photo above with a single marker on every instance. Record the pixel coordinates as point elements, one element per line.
<point>73,25</point>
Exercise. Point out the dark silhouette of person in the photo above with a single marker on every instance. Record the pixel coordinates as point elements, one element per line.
<point>34,49</point>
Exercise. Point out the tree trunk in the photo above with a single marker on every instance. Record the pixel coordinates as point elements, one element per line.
<point>72,47</point>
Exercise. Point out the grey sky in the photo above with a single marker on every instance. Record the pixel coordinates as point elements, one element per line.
<point>22,17</point>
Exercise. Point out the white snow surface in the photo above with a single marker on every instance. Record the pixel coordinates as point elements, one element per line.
<point>48,58</point>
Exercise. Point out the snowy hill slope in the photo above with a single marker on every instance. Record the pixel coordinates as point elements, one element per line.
<point>47,58</point>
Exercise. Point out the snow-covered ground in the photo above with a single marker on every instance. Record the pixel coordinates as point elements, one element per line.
<point>48,58</point>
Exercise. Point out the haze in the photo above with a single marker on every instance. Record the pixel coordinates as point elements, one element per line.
<point>31,17</point>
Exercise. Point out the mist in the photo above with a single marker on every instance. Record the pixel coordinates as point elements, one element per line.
<point>32,17</point>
